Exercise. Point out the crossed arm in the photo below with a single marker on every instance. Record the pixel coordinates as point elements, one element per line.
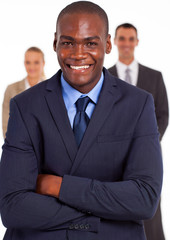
<point>71,198</point>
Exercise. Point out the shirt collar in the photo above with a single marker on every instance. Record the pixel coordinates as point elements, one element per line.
<point>27,85</point>
<point>71,95</point>
<point>123,66</point>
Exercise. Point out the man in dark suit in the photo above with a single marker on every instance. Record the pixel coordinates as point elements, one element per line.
<point>81,159</point>
<point>126,40</point>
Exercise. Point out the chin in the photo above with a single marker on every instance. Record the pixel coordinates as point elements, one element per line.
<point>33,75</point>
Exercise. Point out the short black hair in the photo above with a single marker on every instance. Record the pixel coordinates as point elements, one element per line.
<point>126,25</point>
<point>85,7</point>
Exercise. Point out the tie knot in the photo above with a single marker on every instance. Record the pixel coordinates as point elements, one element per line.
<point>127,70</point>
<point>82,103</point>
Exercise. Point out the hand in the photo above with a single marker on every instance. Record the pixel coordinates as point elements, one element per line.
<point>48,185</point>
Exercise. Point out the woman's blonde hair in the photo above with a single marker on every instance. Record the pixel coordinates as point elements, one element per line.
<point>36,49</point>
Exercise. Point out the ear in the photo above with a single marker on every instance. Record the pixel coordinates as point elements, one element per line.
<point>108,44</point>
<point>137,42</point>
<point>55,41</point>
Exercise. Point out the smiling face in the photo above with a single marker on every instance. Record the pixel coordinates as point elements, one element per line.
<point>34,64</point>
<point>81,43</point>
<point>126,41</point>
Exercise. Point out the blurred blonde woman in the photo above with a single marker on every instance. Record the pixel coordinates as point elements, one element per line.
<point>34,64</point>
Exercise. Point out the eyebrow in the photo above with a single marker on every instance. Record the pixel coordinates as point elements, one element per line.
<point>133,37</point>
<point>86,39</point>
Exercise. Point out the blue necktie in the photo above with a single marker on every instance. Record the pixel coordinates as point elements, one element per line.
<point>81,119</point>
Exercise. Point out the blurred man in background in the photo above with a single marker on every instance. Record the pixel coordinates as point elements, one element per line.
<point>128,69</point>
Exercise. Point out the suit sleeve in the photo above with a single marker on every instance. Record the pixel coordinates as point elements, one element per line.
<point>20,206</point>
<point>137,195</point>
<point>161,106</point>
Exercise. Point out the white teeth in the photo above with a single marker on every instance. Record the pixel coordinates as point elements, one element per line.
<point>79,67</point>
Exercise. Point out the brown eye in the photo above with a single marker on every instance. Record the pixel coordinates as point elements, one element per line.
<point>132,39</point>
<point>121,38</point>
<point>91,44</point>
<point>67,43</point>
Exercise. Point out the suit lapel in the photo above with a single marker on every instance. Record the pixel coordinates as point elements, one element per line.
<point>59,113</point>
<point>113,71</point>
<point>140,78</point>
<point>108,97</point>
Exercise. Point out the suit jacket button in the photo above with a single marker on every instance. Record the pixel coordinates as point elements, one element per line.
<point>76,226</point>
<point>71,226</point>
<point>87,226</point>
<point>81,226</point>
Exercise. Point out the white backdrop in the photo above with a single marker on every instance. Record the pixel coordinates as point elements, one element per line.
<point>32,23</point>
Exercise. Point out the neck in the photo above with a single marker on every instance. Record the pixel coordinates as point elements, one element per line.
<point>33,80</point>
<point>126,61</point>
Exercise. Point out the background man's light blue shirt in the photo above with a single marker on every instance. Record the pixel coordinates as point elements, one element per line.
<point>70,96</point>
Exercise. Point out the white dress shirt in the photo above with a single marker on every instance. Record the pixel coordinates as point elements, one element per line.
<point>134,69</point>
<point>26,84</point>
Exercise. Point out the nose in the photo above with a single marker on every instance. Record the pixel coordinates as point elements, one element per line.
<point>127,42</point>
<point>78,52</point>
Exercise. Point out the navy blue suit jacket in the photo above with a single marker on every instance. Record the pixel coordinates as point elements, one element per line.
<point>110,184</point>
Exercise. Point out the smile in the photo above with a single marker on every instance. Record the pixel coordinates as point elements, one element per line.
<point>79,67</point>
